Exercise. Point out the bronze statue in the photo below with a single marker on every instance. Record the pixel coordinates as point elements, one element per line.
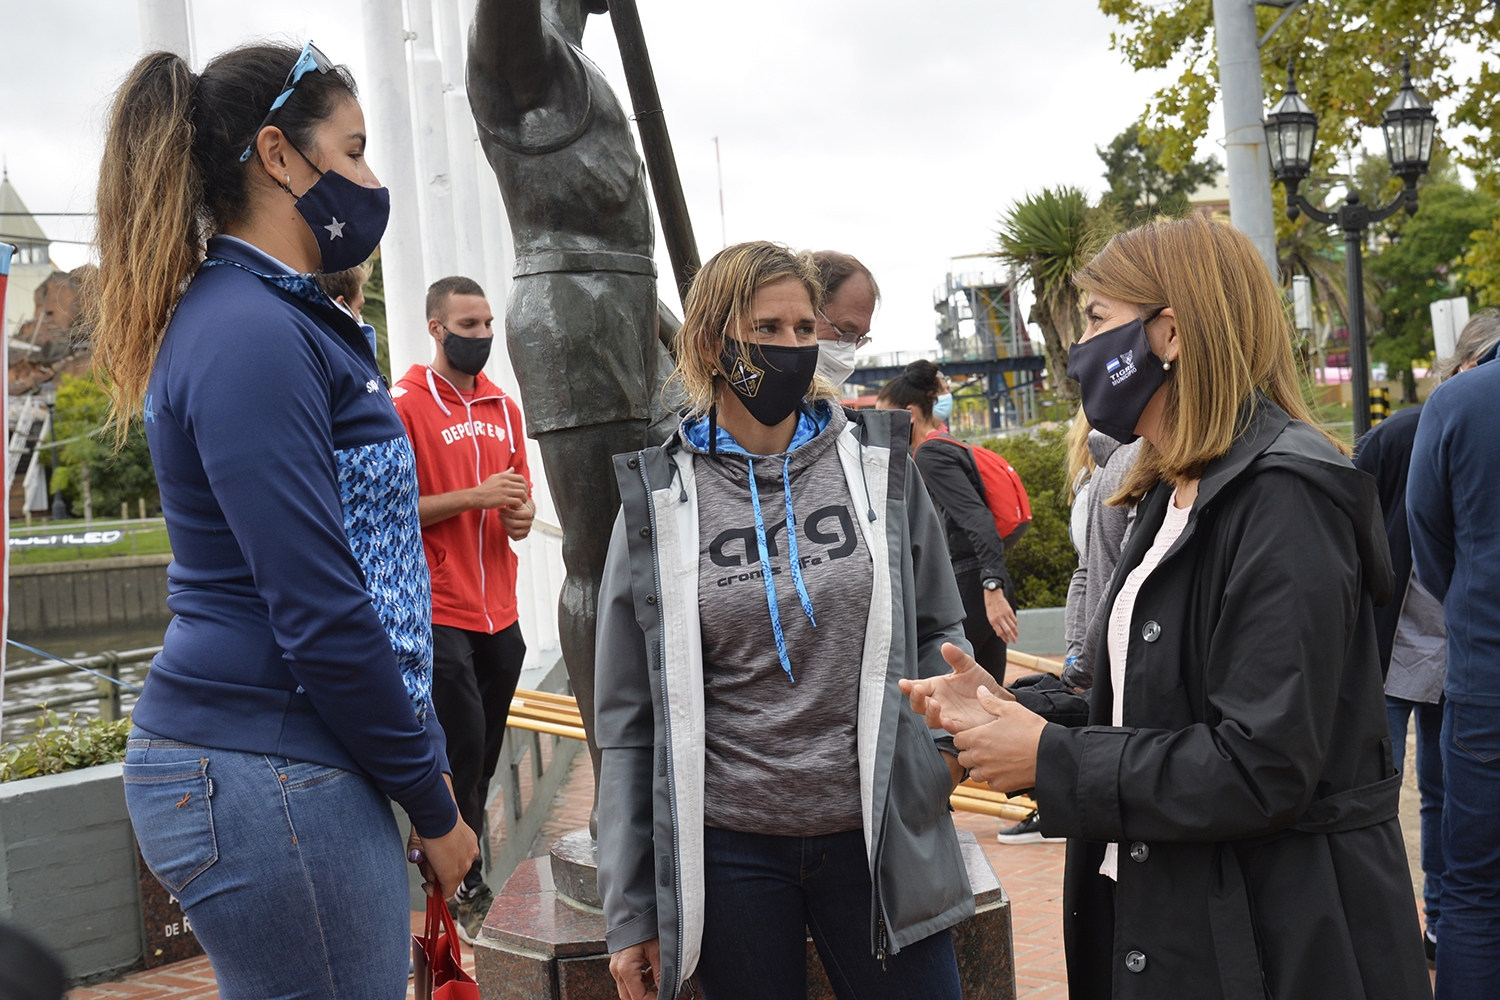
<point>582,317</point>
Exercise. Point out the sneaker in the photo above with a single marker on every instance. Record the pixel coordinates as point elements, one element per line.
<point>1028,831</point>
<point>469,912</point>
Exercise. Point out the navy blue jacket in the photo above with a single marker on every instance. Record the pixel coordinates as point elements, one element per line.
<point>1385,453</point>
<point>301,595</point>
<point>1453,508</point>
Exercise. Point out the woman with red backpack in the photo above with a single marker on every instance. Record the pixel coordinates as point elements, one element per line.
<point>984,508</point>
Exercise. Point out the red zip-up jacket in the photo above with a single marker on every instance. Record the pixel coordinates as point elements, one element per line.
<point>459,444</point>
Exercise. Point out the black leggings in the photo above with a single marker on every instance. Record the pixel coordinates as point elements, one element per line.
<point>763,894</point>
<point>989,648</point>
<point>474,678</point>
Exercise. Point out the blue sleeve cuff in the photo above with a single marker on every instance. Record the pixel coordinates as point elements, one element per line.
<point>434,813</point>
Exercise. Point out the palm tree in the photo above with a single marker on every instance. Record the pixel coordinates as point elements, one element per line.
<point>1047,237</point>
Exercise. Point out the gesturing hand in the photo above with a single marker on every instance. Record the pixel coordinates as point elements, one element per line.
<point>637,970</point>
<point>503,489</point>
<point>951,701</point>
<point>1002,752</point>
<point>517,520</point>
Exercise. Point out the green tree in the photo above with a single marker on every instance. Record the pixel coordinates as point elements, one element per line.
<point>1047,237</point>
<point>1141,187</point>
<point>1348,58</point>
<point>112,477</point>
<point>1482,264</point>
<point>1042,563</point>
<point>1423,262</point>
<point>374,314</point>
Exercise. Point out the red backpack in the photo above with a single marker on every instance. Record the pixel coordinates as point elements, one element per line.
<point>999,484</point>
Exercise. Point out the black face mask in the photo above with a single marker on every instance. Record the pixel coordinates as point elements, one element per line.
<point>467,354</point>
<point>1118,375</point>
<point>770,380</point>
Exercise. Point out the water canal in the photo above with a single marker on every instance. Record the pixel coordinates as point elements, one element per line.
<point>71,645</point>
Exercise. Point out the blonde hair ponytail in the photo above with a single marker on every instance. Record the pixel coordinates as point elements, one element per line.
<point>150,232</point>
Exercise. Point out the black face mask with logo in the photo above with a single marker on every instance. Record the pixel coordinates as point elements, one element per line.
<point>770,380</point>
<point>1117,374</point>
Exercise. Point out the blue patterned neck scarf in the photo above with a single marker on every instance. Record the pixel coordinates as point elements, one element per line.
<point>304,286</point>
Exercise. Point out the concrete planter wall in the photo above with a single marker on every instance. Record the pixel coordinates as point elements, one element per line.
<point>67,868</point>
<point>90,594</point>
<point>1041,631</point>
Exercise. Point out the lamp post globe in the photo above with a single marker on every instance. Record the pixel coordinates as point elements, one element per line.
<point>1291,133</point>
<point>1409,125</point>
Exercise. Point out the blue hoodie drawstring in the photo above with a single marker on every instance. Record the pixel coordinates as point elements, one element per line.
<point>791,543</point>
<point>765,564</point>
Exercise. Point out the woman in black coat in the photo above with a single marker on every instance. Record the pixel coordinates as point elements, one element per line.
<point>1231,806</point>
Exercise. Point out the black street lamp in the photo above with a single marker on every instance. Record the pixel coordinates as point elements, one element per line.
<point>1291,132</point>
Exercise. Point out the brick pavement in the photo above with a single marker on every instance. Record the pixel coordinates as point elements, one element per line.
<point>1031,874</point>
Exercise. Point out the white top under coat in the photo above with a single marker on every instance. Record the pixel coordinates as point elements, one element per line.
<point>1118,632</point>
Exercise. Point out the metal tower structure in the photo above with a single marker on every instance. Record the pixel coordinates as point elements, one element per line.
<point>978,322</point>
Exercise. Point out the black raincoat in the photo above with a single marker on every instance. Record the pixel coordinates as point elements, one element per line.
<point>1251,789</point>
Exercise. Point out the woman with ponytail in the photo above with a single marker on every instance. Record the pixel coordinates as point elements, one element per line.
<point>291,700</point>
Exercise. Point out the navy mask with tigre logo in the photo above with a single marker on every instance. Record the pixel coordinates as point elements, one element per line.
<point>1117,374</point>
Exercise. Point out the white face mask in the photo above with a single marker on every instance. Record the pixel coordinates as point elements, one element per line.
<point>942,407</point>
<point>835,360</point>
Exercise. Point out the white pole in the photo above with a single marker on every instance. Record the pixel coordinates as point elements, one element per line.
<point>164,27</point>
<point>719,167</point>
<point>432,144</point>
<point>394,161</point>
<point>461,142</point>
<point>1247,163</point>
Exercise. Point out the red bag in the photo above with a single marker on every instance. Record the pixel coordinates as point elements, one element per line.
<point>437,964</point>
<point>999,484</point>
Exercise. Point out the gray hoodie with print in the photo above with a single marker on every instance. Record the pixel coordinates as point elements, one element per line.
<point>650,713</point>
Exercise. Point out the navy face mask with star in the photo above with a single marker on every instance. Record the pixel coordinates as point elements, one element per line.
<point>347,219</point>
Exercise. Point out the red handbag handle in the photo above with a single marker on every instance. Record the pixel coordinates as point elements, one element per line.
<point>439,920</point>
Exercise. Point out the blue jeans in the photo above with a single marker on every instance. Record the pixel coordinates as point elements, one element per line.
<point>1429,788</point>
<point>291,873</point>
<point>762,896</point>
<point>1468,955</point>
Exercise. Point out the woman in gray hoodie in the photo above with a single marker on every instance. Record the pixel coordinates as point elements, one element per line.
<point>776,568</point>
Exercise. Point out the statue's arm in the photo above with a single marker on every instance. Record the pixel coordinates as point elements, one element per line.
<point>509,58</point>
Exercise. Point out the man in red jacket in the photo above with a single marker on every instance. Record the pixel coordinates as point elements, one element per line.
<point>475,499</point>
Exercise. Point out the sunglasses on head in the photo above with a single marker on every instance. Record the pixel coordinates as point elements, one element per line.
<point>310,59</point>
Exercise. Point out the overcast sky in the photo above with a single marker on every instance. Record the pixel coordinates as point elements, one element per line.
<point>896,131</point>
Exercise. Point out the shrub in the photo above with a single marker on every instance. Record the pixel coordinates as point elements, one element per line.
<point>63,746</point>
<point>1044,559</point>
<point>115,477</point>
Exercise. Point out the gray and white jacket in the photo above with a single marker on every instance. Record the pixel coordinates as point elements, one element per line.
<point>649,718</point>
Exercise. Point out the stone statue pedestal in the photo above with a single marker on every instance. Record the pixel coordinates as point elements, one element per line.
<point>540,943</point>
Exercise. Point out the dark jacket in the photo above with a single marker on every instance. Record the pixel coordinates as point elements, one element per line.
<point>1251,788</point>
<point>1385,453</point>
<point>1453,507</point>
<point>953,482</point>
<point>302,623</point>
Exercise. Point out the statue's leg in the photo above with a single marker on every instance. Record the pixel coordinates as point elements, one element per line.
<point>582,480</point>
